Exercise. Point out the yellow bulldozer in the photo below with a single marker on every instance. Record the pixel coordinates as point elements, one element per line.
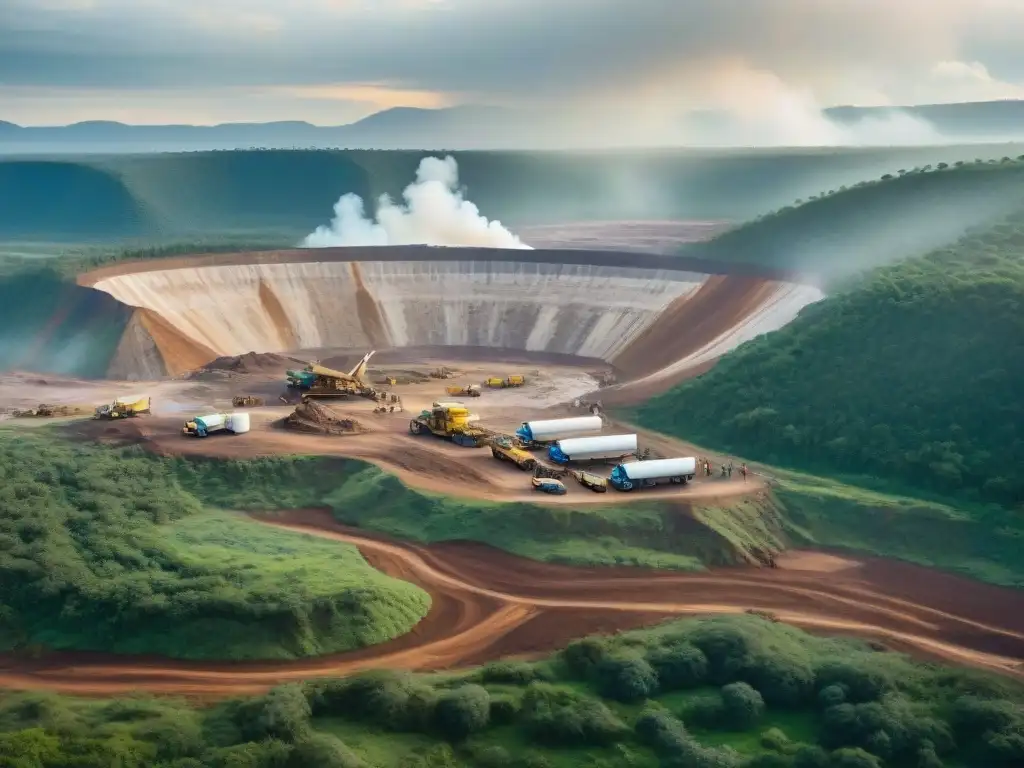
<point>503,448</point>
<point>452,421</point>
<point>123,408</point>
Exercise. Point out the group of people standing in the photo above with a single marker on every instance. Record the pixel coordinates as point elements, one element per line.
<point>705,466</point>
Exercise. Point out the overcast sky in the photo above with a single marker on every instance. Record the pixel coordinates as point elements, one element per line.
<point>333,61</point>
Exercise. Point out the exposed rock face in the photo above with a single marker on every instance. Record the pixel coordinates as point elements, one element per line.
<point>642,312</point>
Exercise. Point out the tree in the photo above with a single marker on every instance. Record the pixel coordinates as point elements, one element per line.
<point>284,714</point>
<point>679,666</point>
<point>853,758</point>
<point>462,711</point>
<point>323,751</point>
<point>626,677</point>
<point>742,706</point>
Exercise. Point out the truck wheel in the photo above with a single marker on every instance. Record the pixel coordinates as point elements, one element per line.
<point>415,427</point>
<point>627,486</point>
<point>528,465</point>
<point>677,480</point>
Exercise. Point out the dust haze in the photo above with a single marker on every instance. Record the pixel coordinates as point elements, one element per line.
<point>434,213</point>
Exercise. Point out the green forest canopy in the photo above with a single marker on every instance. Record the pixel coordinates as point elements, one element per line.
<point>903,214</point>
<point>726,692</point>
<point>114,550</point>
<point>914,375</point>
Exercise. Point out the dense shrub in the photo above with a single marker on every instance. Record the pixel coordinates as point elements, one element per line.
<point>742,706</point>
<point>726,650</point>
<point>781,681</point>
<point>394,700</point>
<point>625,677</point>
<point>323,751</point>
<point>860,683</point>
<point>462,711</point>
<point>853,758</point>
<point>561,717</point>
<point>583,656</point>
<point>679,666</point>
<point>668,737</point>
<point>282,714</point>
<point>504,709</point>
<point>509,672</point>
<point>832,695</point>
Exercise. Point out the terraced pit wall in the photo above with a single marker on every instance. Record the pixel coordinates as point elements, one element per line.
<point>646,314</point>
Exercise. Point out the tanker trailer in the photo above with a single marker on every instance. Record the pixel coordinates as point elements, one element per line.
<point>544,432</point>
<point>644,474</point>
<point>601,447</point>
<point>204,426</point>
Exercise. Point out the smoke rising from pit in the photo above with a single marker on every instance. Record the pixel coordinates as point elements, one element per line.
<point>434,213</point>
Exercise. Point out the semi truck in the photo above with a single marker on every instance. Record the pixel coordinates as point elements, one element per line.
<point>600,447</point>
<point>204,426</point>
<point>644,474</point>
<point>550,430</point>
<point>123,408</point>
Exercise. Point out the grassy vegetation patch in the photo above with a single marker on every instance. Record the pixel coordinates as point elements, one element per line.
<point>117,550</point>
<point>726,692</point>
<point>655,534</point>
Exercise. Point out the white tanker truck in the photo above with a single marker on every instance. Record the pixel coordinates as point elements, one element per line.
<point>601,447</point>
<point>204,426</point>
<point>644,474</point>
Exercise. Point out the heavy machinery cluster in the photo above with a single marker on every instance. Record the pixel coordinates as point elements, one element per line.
<point>570,444</point>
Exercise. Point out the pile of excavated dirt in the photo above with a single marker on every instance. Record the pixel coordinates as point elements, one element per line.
<point>253,362</point>
<point>313,418</point>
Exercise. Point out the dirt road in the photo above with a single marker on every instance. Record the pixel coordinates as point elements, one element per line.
<point>422,462</point>
<point>488,605</point>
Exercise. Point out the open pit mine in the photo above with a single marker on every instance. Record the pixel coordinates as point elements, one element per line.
<point>653,318</point>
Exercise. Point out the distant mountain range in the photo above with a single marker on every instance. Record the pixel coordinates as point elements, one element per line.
<point>463,127</point>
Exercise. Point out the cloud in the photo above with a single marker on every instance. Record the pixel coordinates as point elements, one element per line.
<point>652,58</point>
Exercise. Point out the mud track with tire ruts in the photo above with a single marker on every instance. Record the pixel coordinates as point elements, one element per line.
<point>489,605</point>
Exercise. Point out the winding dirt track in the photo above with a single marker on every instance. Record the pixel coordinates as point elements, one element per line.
<point>487,605</point>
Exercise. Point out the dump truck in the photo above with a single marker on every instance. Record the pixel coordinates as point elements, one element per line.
<point>123,408</point>
<point>452,421</point>
<point>598,448</point>
<point>470,390</point>
<point>509,381</point>
<point>246,401</point>
<point>504,449</point>
<point>204,426</point>
<point>548,431</point>
<point>644,474</point>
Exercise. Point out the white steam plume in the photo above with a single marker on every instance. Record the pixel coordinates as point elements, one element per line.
<point>435,213</point>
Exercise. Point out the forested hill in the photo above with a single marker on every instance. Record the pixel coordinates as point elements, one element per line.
<point>902,214</point>
<point>915,375</point>
<point>287,193</point>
